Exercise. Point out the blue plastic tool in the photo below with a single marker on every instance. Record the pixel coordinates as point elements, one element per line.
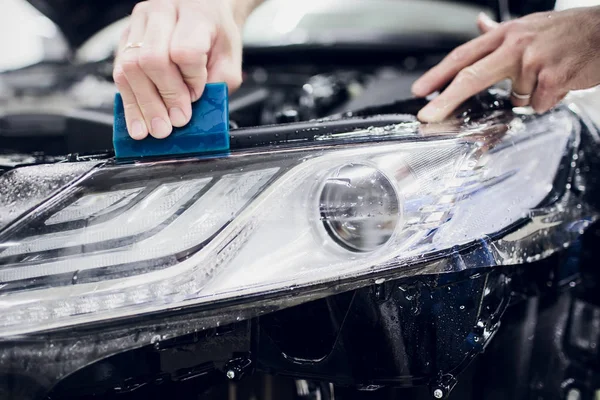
<point>207,132</point>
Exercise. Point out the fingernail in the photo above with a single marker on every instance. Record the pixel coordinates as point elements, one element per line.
<point>487,20</point>
<point>160,128</point>
<point>429,114</point>
<point>417,89</point>
<point>485,17</point>
<point>138,129</point>
<point>177,117</point>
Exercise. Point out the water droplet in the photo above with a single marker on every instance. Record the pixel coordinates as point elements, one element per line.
<point>155,340</point>
<point>75,277</point>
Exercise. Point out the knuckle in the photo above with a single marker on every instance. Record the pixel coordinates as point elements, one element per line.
<point>131,108</point>
<point>508,26</point>
<point>514,25</point>
<point>188,55</point>
<point>467,75</point>
<point>530,61</point>
<point>519,40</point>
<point>148,106</point>
<point>457,54</point>
<point>547,81</point>
<point>152,61</point>
<point>119,76</point>
<point>130,65</point>
<point>140,7</point>
<point>161,7</point>
<point>125,34</point>
<point>169,95</point>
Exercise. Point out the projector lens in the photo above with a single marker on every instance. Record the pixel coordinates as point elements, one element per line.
<point>359,207</point>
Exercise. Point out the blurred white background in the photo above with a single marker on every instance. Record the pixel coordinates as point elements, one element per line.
<point>27,37</point>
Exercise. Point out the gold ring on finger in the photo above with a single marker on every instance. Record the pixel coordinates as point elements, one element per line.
<point>133,45</point>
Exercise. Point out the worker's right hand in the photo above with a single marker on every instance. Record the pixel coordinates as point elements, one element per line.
<point>545,55</point>
<point>169,51</point>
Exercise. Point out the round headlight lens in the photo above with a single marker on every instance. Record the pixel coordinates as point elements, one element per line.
<point>359,207</point>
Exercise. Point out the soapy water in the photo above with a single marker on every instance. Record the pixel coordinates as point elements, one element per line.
<point>23,188</point>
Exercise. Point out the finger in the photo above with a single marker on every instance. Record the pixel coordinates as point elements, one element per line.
<point>485,23</point>
<point>190,46</point>
<point>522,89</point>
<point>468,82</point>
<point>149,101</point>
<point>546,103</point>
<point>147,97</point>
<point>136,127</point>
<point>225,64</point>
<point>459,58</point>
<point>156,63</point>
<point>133,116</point>
<point>547,92</point>
<point>526,79</point>
<point>228,71</point>
<point>122,44</point>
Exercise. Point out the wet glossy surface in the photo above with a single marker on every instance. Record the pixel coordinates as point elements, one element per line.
<point>547,229</point>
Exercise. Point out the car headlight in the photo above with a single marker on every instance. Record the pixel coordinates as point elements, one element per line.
<point>138,238</point>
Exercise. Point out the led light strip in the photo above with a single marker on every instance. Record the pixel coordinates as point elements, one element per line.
<point>150,212</point>
<point>93,205</point>
<point>195,225</point>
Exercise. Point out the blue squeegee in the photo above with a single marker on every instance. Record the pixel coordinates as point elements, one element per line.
<point>207,132</point>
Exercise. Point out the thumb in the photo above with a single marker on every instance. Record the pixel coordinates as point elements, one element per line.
<point>485,23</point>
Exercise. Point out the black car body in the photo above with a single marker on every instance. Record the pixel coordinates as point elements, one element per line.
<point>341,249</point>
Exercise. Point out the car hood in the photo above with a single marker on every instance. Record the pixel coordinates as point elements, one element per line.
<point>84,18</point>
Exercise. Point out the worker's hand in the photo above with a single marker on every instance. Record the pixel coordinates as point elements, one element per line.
<point>170,50</point>
<point>545,55</point>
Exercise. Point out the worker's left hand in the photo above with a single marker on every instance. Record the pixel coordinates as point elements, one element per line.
<point>168,53</point>
<point>545,55</point>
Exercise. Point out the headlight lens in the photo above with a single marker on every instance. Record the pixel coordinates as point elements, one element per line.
<point>142,238</point>
<point>359,207</point>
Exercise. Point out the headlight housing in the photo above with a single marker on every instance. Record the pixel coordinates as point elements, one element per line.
<point>132,239</point>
